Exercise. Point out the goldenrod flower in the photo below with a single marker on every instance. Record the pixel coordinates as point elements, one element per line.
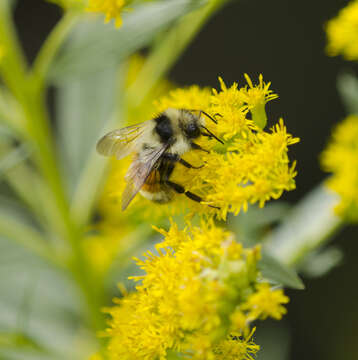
<point>253,165</point>
<point>266,303</point>
<point>187,298</point>
<point>232,349</point>
<point>112,9</point>
<point>341,159</point>
<point>342,33</point>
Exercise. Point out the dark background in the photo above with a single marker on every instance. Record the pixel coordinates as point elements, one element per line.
<point>283,40</point>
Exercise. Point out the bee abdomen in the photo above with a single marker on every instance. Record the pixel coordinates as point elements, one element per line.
<point>161,197</point>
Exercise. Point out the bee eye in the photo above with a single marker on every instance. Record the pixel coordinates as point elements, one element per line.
<point>192,130</point>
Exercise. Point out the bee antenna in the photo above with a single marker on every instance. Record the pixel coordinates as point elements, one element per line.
<point>209,116</point>
<point>206,114</point>
<point>211,134</point>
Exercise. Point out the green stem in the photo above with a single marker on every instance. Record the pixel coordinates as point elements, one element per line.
<point>168,50</point>
<point>52,44</point>
<point>30,93</point>
<point>45,156</point>
<point>13,65</point>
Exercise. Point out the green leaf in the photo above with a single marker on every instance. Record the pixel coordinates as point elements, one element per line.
<point>347,84</point>
<point>84,107</point>
<point>279,273</point>
<point>96,46</point>
<point>252,225</point>
<point>16,353</point>
<point>305,228</point>
<point>14,157</point>
<point>41,303</point>
<point>17,228</point>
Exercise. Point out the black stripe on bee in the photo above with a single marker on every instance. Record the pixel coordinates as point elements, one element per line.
<point>163,128</point>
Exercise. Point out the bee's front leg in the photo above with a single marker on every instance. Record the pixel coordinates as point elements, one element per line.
<point>195,146</point>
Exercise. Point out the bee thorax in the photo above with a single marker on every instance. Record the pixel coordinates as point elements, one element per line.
<point>180,146</point>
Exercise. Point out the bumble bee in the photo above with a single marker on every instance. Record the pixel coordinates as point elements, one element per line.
<point>157,145</point>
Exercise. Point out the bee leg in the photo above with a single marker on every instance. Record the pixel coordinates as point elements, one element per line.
<point>189,166</point>
<point>180,190</point>
<point>195,146</point>
<point>177,158</point>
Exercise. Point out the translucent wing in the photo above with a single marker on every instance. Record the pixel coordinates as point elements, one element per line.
<point>121,142</point>
<point>139,171</point>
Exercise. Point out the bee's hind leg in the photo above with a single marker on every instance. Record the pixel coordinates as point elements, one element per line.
<point>180,190</point>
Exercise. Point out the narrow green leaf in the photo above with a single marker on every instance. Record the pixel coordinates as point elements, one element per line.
<point>41,303</point>
<point>14,227</point>
<point>14,157</point>
<point>279,273</point>
<point>20,353</point>
<point>84,106</point>
<point>96,46</point>
<point>306,227</point>
<point>89,106</point>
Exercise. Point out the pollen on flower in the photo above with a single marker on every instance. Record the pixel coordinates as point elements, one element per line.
<point>111,8</point>
<point>182,303</point>
<point>342,33</point>
<point>341,159</point>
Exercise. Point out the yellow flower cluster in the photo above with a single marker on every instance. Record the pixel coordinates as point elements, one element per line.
<point>111,8</point>
<point>342,32</point>
<point>251,167</point>
<point>198,296</point>
<point>341,159</point>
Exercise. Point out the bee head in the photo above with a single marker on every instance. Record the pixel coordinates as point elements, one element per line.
<point>192,129</point>
<point>190,124</point>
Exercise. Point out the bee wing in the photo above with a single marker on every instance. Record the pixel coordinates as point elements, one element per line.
<point>139,171</point>
<point>121,142</point>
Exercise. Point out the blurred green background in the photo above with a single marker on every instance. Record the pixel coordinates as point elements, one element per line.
<point>283,40</point>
